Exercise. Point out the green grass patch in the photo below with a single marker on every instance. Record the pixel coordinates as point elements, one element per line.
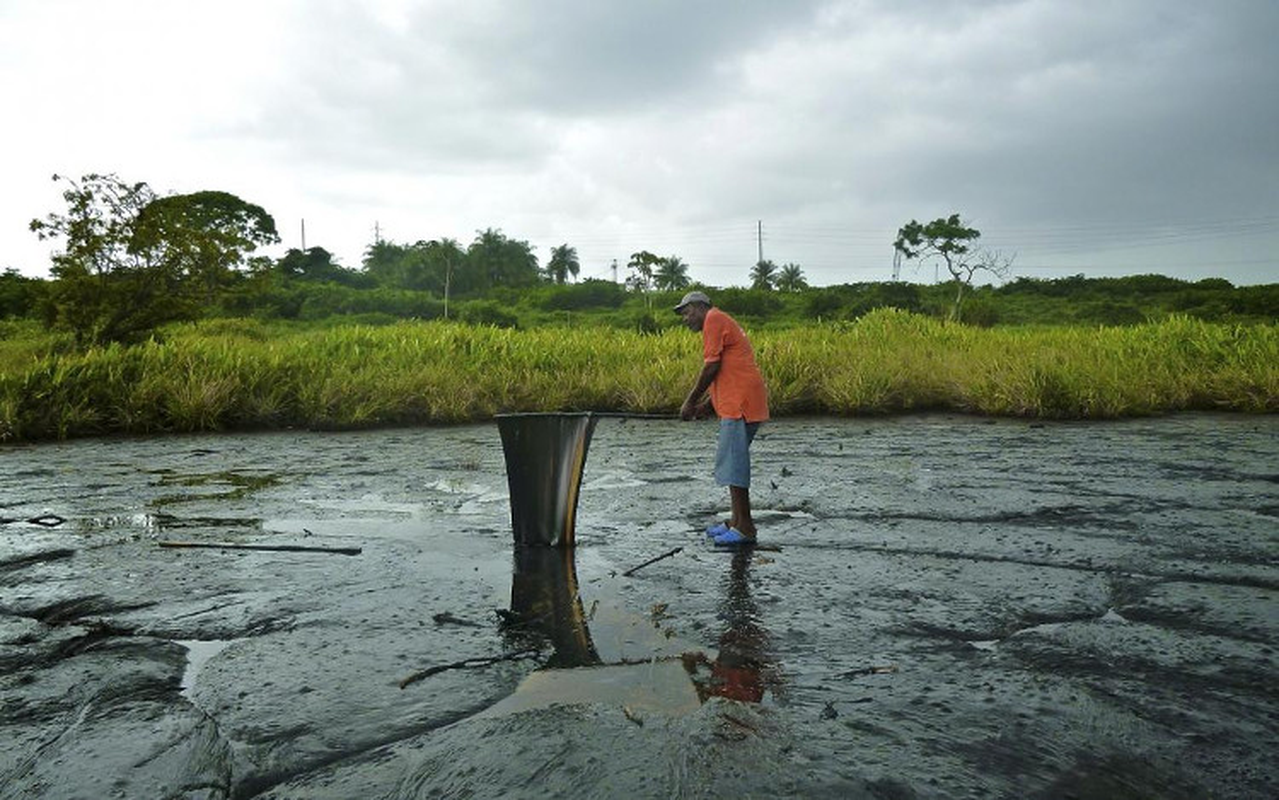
<point>246,374</point>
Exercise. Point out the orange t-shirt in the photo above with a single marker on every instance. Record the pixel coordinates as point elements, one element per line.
<point>738,389</point>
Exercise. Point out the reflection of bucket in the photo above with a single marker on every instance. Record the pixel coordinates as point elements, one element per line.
<point>545,603</point>
<point>545,454</point>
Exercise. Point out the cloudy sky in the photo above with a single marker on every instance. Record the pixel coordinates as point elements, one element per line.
<point>1103,137</point>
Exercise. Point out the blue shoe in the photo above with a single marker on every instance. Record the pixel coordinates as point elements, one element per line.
<point>717,529</point>
<point>732,538</point>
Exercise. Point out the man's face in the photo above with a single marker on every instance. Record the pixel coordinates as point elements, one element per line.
<point>694,314</point>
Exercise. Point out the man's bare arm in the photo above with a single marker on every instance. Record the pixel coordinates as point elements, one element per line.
<point>704,380</point>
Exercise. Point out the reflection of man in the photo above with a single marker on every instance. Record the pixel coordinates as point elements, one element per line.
<point>743,668</point>
<point>737,392</point>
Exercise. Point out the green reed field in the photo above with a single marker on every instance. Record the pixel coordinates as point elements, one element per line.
<point>244,374</point>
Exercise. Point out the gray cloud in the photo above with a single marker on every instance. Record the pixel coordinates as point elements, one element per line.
<point>661,125</point>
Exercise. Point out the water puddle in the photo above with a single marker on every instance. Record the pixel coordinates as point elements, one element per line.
<point>658,687</point>
<point>199,651</point>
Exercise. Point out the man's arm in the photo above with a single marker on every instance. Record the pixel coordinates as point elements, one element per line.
<point>704,380</point>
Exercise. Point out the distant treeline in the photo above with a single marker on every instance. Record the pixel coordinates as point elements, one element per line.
<point>357,296</point>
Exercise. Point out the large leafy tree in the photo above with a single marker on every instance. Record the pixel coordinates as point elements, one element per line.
<point>132,261</point>
<point>563,263</point>
<point>949,241</point>
<point>204,236</point>
<point>672,274</point>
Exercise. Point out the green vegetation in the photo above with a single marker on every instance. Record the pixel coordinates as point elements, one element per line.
<point>241,374</point>
<point>134,261</point>
<point>158,318</point>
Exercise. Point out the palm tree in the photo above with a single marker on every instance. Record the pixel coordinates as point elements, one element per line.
<point>563,263</point>
<point>672,274</point>
<point>764,275</point>
<point>791,279</point>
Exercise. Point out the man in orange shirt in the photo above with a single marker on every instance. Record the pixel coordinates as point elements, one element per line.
<point>740,399</point>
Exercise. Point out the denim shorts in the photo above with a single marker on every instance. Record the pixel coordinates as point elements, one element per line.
<point>733,452</point>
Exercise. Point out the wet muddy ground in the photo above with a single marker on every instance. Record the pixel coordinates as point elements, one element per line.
<point>959,608</point>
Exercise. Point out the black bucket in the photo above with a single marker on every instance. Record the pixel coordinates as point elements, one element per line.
<point>545,455</point>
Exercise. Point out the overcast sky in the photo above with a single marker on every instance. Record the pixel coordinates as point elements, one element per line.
<point>1106,137</point>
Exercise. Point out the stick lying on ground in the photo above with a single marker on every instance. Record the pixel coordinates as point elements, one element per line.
<point>470,663</point>
<point>667,554</point>
<point>287,548</point>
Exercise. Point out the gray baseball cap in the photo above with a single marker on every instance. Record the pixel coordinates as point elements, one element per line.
<point>693,297</point>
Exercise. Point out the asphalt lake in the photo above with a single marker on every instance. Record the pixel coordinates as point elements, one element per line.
<point>954,607</point>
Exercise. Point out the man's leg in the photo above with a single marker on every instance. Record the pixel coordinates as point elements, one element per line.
<point>733,469</point>
<point>740,497</point>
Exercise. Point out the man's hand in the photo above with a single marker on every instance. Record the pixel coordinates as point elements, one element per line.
<point>688,410</point>
<point>695,410</point>
<point>698,401</point>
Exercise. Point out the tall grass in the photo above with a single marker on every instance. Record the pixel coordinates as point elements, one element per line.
<point>242,375</point>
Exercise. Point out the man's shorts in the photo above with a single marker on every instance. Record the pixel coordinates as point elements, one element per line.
<point>733,453</point>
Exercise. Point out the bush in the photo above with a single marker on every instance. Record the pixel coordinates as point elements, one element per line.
<point>587,294</point>
<point>747,302</point>
<point>486,312</point>
<point>1110,313</point>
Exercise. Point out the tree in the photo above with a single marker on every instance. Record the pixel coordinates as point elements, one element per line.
<point>643,266</point>
<point>421,266</point>
<point>764,275</point>
<point>133,261</point>
<point>947,239</point>
<point>672,274</point>
<point>204,236</point>
<point>562,264</point>
<point>445,253</point>
<point>791,279</point>
<point>19,295</point>
<point>316,265</point>
<point>383,261</point>
<point>494,260</point>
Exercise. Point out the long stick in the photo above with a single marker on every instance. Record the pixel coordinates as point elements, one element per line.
<point>287,548</point>
<point>469,663</point>
<point>667,554</point>
<point>632,415</point>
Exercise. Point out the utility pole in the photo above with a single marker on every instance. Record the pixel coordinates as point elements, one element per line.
<point>759,237</point>
<point>615,270</point>
<point>897,265</point>
<point>304,234</point>
<point>377,232</point>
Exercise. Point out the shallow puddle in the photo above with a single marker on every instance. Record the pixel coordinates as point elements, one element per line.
<point>198,654</point>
